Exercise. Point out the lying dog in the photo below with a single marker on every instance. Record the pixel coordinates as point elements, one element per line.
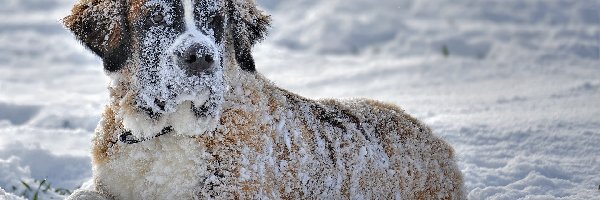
<point>190,118</point>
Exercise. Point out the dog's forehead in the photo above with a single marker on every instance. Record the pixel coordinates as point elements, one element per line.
<point>199,8</point>
<point>199,5</point>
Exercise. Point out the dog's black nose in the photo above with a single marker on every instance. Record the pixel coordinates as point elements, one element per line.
<point>195,59</point>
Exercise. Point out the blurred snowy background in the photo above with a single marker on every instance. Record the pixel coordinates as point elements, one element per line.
<point>513,85</point>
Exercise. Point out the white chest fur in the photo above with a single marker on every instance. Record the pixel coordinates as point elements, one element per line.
<point>167,167</point>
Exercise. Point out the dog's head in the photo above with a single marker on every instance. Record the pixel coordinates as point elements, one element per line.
<point>166,58</point>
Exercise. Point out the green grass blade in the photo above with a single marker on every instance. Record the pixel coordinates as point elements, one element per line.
<point>26,185</point>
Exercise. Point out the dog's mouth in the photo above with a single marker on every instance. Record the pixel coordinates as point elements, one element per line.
<point>199,111</point>
<point>128,138</point>
<point>188,118</point>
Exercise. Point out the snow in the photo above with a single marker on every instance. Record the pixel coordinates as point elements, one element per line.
<point>517,95</point>
<point>8,196</point>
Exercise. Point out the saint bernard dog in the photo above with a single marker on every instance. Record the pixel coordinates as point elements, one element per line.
<point>190,118</point>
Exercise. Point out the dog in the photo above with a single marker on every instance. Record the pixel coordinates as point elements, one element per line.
<point>189,116</point>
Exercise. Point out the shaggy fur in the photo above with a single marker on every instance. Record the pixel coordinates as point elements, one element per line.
<point>260,141</point>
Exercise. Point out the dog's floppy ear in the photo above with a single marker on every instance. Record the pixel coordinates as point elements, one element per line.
<point>101,26</point>
<point>249,26</point>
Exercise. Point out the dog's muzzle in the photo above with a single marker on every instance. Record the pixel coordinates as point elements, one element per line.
<point>189,73</point>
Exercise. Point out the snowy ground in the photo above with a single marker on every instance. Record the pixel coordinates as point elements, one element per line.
<point>518,94</point>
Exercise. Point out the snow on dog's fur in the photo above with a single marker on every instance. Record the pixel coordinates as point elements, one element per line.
<point>189,117</point>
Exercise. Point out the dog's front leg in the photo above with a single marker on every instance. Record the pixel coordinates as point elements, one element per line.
<point>86,195</point>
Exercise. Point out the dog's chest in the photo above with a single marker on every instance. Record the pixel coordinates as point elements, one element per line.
<point>168,167</point>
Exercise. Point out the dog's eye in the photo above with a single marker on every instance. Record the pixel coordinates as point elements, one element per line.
<point>158,18</point>
<point>214,21</point>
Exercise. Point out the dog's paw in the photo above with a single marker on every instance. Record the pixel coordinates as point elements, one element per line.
<point>86,195</point>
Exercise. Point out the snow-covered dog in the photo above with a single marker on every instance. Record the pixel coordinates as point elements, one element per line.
<point>190,118</point>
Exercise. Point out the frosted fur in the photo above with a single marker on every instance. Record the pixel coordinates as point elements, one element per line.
<point>188,12</point>
<point>169,83</point>
<point>165,168</point>
<point>273,144</point>
<point>255,140</point>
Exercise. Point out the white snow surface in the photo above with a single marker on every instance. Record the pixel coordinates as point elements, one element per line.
<point>8,196</point>
<point>518,94</point>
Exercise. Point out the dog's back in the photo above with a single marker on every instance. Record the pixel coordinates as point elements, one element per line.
<point>280,145</point>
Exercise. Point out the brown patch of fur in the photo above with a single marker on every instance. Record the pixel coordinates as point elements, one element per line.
<point>100,26</point>
<point>245,128</point>
<point>105,139</point>
<point>91,25</point>
<point>135,11</point>
<point>115,37</point>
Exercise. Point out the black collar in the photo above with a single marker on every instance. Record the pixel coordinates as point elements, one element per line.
<point>128,138</point>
